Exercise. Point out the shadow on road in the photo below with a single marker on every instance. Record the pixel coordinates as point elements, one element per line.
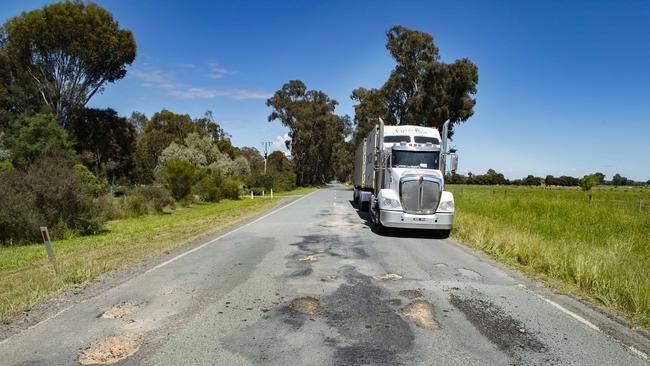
<point>399,233</point>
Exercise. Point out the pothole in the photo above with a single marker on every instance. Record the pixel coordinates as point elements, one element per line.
<point>421,313</point>
<point>121,310</point>
<point>387,277</point>
<point>410,294</point>
<point>329,278</point>
<point>307,305</point>
<point>469,273</point>
<point>440,265</point>
<point>109,351</point>
<point>309,258</point>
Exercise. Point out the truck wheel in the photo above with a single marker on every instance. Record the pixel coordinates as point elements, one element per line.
<point>379,228</point>
<point>364,205</point>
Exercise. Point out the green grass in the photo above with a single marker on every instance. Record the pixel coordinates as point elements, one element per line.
<point>26,279</point>
<point>297,191</point>
<point>600,251</point>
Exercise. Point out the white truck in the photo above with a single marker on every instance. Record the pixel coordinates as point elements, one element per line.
<point>399,177</point>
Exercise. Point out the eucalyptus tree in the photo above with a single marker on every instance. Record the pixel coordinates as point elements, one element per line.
<point>314,129</point>
<point>67,52</point>
<point>421,89</point>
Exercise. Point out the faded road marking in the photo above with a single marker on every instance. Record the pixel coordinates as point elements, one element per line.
<point>226,234</point>
<point>570,313</point>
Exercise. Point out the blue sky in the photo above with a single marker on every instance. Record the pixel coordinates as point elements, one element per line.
<point>563,86</point>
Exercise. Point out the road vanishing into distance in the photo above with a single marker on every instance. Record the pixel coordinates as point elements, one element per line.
<point>311,284</point>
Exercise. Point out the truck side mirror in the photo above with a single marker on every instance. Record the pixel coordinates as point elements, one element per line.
<point>454,163</point>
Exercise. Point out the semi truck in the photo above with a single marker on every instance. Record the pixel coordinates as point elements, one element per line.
<point>399,177</point>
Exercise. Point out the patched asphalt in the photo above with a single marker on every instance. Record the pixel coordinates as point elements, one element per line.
<point>312,284</point>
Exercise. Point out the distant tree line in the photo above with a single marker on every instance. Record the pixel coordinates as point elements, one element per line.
<point>491,177</point>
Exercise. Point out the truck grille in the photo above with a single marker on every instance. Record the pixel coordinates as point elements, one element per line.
<point>420,194</point>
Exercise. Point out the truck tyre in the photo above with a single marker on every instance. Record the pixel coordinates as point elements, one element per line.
<point>379,228</point>
<point>364,205</point>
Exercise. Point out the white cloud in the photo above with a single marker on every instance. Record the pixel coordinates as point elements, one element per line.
<point>188,92</point>
<point>158,78</point>
<point>242,94</point>
<point>193,93</point>
<point>187,66</point>
<point>151,75</point>
<point>279,143</point>
<point>217,72</point>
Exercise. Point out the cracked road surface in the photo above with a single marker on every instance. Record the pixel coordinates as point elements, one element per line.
<point>311,284</point>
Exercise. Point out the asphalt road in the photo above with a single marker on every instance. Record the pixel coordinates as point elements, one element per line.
<point>296,287</point>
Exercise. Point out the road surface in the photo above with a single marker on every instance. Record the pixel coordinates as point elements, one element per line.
<point>311,284</point>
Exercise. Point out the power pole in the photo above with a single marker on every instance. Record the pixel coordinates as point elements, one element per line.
<point>265,145</point>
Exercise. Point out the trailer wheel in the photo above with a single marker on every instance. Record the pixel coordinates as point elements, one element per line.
<point>365,206</point>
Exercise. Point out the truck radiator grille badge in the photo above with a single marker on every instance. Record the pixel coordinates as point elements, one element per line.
<point>420,195</point>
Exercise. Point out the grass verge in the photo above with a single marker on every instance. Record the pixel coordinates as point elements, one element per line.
<point>597,248</point>
<point>26,279</point>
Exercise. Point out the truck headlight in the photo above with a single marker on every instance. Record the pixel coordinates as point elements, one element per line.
<point>446,206</point>
<point>390,203</point>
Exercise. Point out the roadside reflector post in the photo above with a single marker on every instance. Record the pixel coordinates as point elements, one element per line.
<point>262,193</point>
<point>251,194</point>
<point>640,205</point>
<point>48,246</point>
<point>271,192</point>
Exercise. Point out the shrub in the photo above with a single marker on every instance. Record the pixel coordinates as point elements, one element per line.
<point>134,205</point>
<point>587,182</point>
<point>179,176</point>
<point>39,135</point>
<point>5,165</point>
<point>276,180</point>
<point>157,197</point>
<point>284,181</point>
<point>59,195</point>
<point>89,181</point>
<point>48,194</point>
<point>19,220</point>
<point>207,189</point>
<point>230,188</point>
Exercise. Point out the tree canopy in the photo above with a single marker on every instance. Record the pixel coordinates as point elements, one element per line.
<point>314,129</point>
<point>421,89</point>
<point>67,51</point>
<point>104,140</point>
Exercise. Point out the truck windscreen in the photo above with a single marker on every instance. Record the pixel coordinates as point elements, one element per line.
<point>415,159</point>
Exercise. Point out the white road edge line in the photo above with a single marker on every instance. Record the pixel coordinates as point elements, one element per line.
<point>225,235</point>
<point>571,313</point>
<point>586,322</point>
<point>638,353</point>
<point>165,263</point>
<point>39,323</point>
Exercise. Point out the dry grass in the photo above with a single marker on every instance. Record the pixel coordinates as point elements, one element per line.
<point>599,251</point>
<point>26,279</point>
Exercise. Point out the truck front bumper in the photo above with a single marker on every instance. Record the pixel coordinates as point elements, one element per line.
<point>399,219</point>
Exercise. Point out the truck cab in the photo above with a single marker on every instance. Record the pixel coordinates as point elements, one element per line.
<point>405,174</point>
